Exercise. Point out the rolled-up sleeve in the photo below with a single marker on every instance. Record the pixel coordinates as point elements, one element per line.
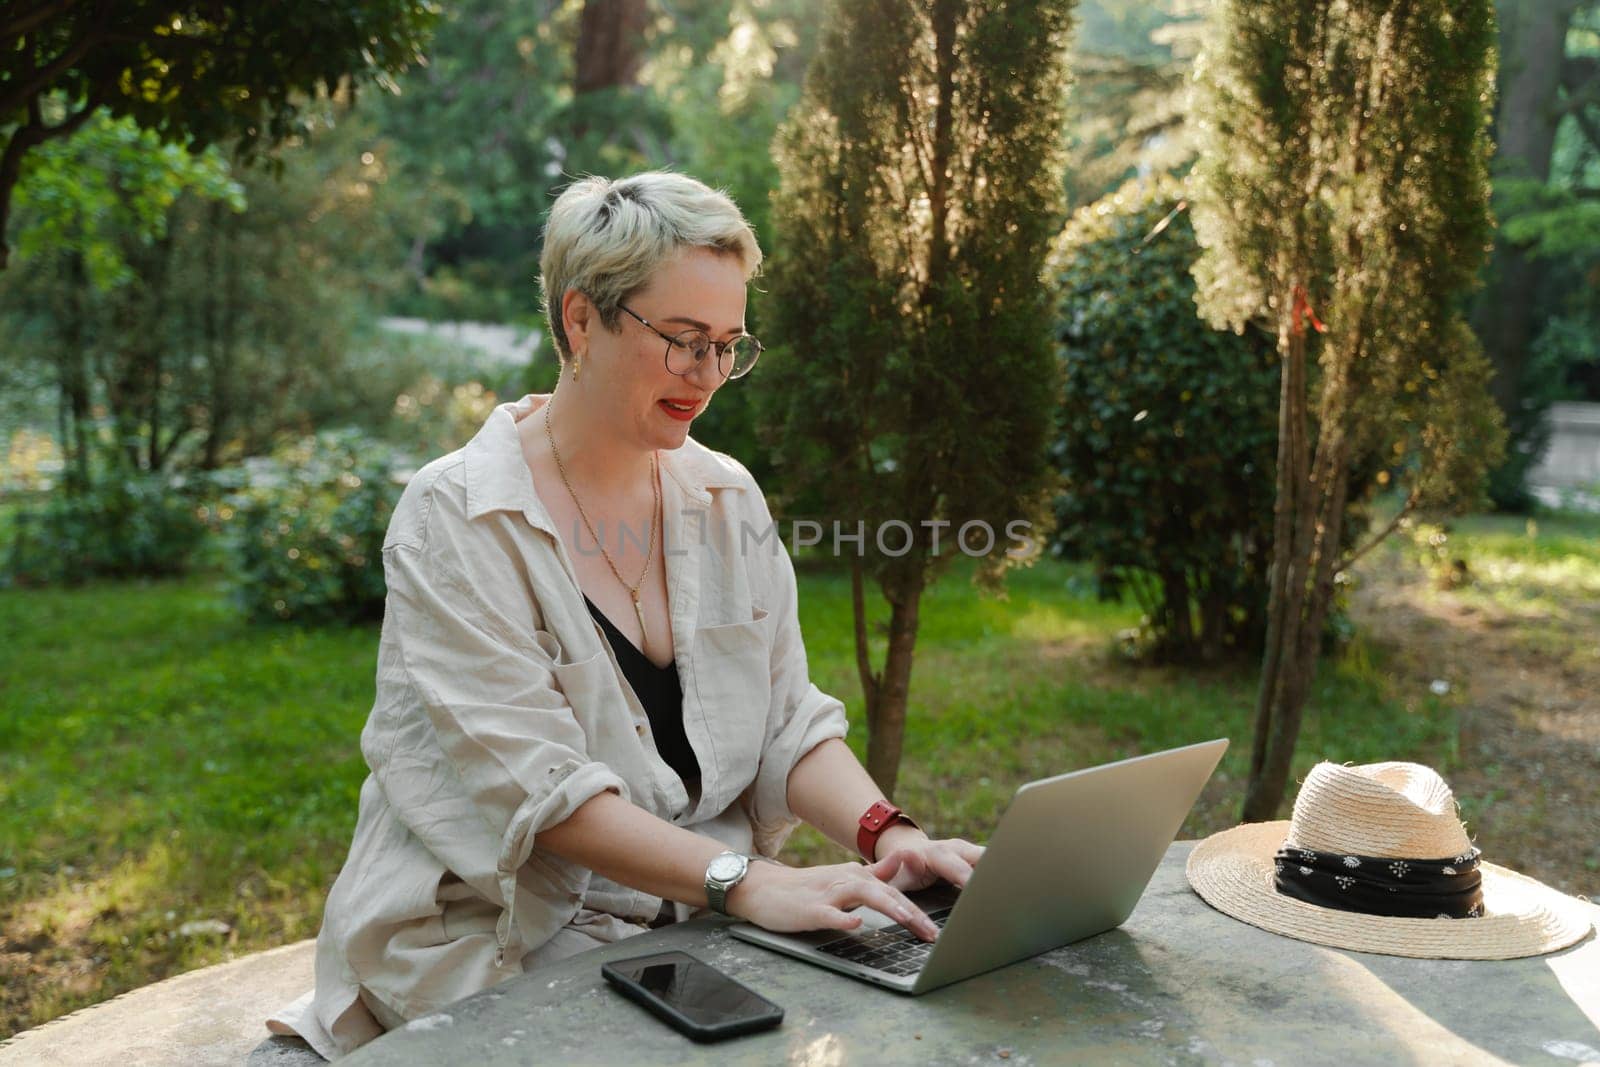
<point>801,716</point>
<point>488,684</point>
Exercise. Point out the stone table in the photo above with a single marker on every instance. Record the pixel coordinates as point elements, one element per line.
<point>1177,983</point>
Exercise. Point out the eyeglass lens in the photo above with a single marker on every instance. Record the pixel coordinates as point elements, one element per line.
<point>692,346</point>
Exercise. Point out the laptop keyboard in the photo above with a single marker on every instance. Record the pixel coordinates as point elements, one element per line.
<point>892,949</point>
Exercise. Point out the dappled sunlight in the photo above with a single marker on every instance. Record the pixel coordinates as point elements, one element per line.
<point>71,908</point>
<point>75,937</point>
<point>1042,623</point>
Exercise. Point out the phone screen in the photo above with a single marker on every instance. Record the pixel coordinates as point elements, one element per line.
<point>698,990</point>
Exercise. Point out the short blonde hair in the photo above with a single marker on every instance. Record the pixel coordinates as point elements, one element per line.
<point>606,238</point>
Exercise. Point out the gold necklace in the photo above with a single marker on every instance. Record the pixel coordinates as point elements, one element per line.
<point>650,552</point>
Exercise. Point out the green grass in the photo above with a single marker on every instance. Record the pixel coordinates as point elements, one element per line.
<point>1542,573</point>
<point>162,761</point>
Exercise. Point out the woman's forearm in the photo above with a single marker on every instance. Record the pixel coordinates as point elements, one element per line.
<point>621,841</point>
<point>627,844</point>
<point>830,789</point>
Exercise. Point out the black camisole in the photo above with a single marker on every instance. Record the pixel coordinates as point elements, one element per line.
<point>661,693</point>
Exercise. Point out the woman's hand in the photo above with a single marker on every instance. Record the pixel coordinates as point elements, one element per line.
<point>919,862</point>
<point>791,899</point>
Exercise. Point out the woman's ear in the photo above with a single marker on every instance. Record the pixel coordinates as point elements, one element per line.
<point>577,318</point>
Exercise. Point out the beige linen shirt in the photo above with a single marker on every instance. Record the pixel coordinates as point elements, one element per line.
<point>501,709</point>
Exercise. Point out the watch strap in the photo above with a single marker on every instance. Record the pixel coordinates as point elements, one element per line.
<point>717,891</point>
<point>877,819</point>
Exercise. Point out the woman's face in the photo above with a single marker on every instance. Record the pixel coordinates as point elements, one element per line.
<point>627,371</point>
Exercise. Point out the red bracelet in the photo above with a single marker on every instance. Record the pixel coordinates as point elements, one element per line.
<point>878,818</point>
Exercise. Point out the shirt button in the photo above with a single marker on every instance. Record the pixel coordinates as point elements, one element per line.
<point>641,729</point>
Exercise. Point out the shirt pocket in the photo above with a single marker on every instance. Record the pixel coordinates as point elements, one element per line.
<point>585,682</point>
<point>733,693</point>
<point>590,686</point>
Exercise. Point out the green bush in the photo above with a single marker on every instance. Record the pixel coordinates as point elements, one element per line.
<point>1167,431</point>
<point>306,532</point>
<point>123,526</point>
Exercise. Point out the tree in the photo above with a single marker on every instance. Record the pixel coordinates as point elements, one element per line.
<point>95,211</point>
<point>1341,198</point>
<point>920,189</point>
<point>189,307</point>
<point>1549,86</point>
<point>196,72</point>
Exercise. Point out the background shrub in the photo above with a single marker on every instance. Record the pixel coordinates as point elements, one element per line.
<point>1167,432</point>
<point>125,525</point>
<point>306,528</point>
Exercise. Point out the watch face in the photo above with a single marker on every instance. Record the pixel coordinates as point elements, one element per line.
<point>725,867</point>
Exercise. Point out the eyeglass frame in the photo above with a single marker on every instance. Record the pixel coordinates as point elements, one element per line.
<point>718,346</point>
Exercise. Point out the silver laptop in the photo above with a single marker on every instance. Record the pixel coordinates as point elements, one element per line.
<point>1070,859</point>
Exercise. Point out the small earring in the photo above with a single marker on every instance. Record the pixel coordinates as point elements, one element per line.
<point>577,364</point>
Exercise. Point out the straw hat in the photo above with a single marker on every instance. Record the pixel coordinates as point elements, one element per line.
<point>1384,837</point>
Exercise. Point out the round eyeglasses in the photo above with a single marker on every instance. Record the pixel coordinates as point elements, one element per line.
<point>688,350</point>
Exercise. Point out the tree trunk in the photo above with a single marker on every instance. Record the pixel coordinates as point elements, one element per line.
<point>891,689</point>
<point>1213,624</point>
<point>610,36</point>
<point>609,50</point>
<point>1298,667</point>
<point>1308,523</point>
<point>1179,628</point>
<point>218,318</point>
<point>858,608</point>
<point>1291,478</point>
<point>1533,37</point>
<point>74,379</point>
<point>154,338</point>
<point>886,714</point>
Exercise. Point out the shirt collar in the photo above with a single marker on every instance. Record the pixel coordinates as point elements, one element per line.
<point>497,476</point>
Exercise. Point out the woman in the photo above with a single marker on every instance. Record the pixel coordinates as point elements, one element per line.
<point>591,685</point>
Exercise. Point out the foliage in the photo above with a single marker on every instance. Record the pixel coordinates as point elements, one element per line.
<point>728,73</point>
<point>94,216</point>
<point>1344,174</point>
<point>490,182</point>
<point>1541,275</point>
<point>306,533</point>
<point>199,73</point>
<point>496,181</point>
<point>434,417</point>
<point>1549,220</point>
<point>122,526</point>
<point>109,185</point>
<point>1558,233</point>
<point>212,330</point>
<point>1167,430</point>
<point>921,178</point>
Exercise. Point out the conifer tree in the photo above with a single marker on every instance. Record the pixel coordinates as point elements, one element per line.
<point>921,182</point>
<point>1342,199</point>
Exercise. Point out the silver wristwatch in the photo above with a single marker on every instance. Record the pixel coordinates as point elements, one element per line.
<point>726,870</point>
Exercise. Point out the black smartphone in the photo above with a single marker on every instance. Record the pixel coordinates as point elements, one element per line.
<point>692,996</point>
